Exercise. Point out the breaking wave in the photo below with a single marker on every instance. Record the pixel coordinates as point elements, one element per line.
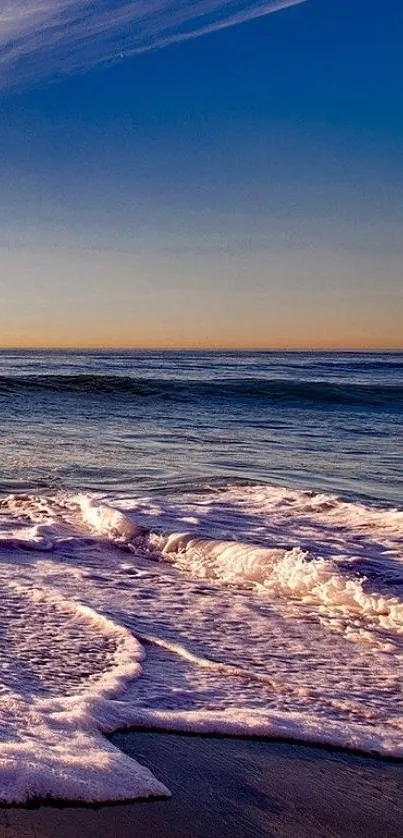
<point>293,572</point>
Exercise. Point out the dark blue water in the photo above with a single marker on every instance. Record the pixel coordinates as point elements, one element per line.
<point>128,420</point>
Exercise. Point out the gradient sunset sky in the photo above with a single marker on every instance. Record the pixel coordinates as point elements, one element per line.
<point>236,185</point>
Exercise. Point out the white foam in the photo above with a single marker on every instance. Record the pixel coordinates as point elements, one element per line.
<point>290,573</point>
<point>262,611</point>
<point>107,521</point>
<point>51,743</point>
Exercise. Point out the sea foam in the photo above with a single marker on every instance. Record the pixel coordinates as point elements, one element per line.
<point>239,609</point>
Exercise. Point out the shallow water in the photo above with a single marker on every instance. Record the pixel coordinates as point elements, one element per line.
<point>196,541</point>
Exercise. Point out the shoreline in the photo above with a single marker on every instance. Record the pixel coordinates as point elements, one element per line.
<point>221,787</point>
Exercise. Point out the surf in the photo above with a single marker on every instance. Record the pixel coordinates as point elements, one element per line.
<point>235,609</point>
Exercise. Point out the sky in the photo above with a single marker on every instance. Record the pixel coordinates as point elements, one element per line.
<point>215,173</point>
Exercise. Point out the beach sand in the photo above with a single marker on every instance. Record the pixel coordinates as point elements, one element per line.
<point>225,787</point>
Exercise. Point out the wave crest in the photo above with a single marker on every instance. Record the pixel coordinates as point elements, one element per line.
<point>267,390</point>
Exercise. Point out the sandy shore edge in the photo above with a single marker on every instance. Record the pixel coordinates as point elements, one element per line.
<point>223,787</point>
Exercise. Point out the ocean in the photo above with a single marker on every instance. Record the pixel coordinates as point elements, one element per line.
<point>195,541</point>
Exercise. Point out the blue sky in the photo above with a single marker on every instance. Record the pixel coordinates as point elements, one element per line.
<point>243,187</point>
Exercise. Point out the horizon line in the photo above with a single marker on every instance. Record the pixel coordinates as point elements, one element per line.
<point>197,348</point>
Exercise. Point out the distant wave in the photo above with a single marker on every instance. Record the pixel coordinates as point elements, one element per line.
<point>269,390</point>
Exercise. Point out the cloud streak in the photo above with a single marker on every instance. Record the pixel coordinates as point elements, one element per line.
<point>42,39</point>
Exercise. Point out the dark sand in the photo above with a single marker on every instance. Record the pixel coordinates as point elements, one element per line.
<point>236,787</point>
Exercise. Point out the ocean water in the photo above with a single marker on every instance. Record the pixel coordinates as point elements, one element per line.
<point>196,541</point>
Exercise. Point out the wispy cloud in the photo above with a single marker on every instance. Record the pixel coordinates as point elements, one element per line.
<point>47,38</point>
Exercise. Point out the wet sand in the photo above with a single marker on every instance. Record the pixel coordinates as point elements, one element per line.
<point>235,787</point>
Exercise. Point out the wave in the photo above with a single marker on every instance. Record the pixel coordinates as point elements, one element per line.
<point>244,609</point>
<point>280,572</point>
<point>267,390</point>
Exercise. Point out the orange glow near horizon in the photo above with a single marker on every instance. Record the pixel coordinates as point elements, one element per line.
<point>313,346</point>
<point>267,300</point>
